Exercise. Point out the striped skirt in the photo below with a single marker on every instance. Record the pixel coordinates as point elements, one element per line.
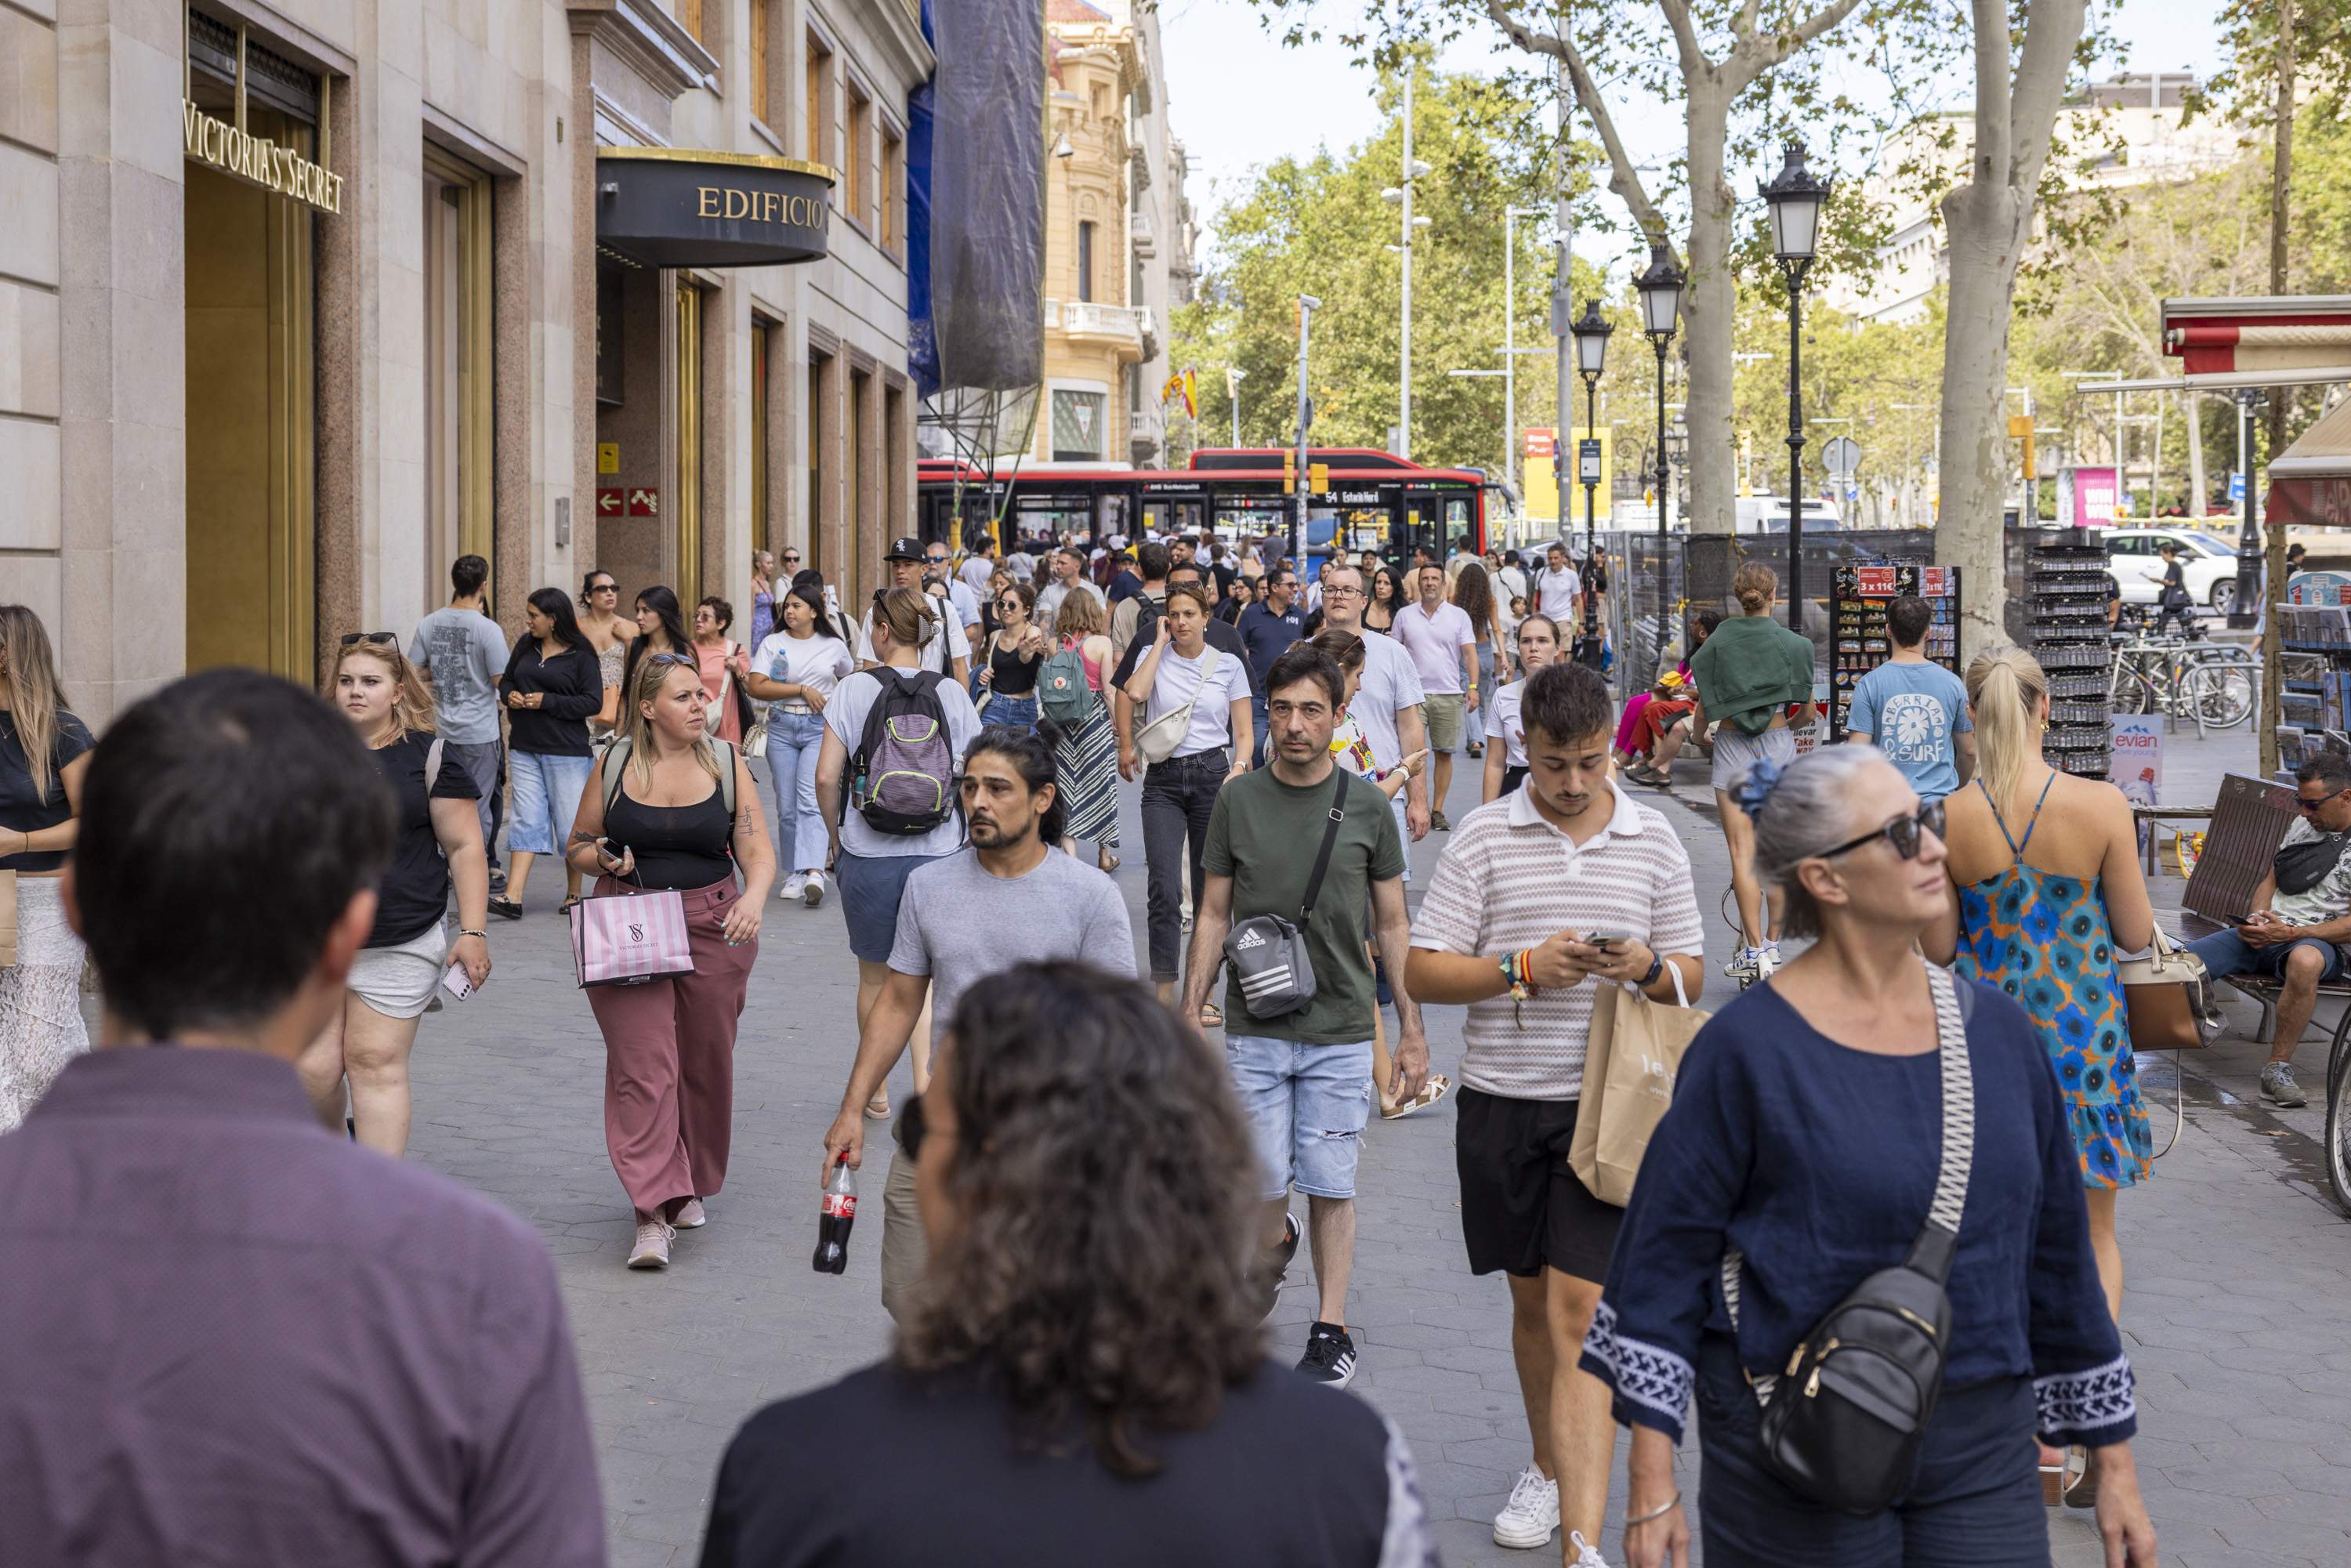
<point>1085,774</point>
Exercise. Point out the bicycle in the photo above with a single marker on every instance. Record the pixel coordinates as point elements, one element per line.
<point>2182,677</point>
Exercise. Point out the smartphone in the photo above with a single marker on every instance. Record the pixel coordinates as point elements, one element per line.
<point>1607,938</point>
<point>457,982</point>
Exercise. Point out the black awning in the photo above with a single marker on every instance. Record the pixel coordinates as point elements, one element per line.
<point>668,206</point>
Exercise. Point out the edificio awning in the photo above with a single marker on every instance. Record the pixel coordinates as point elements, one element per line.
<point>2310,481</point>
<point>676,206</point>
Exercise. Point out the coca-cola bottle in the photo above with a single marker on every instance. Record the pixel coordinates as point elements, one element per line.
<point>838,1213</point>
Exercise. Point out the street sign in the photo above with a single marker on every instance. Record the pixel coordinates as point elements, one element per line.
<point>1587,460</point>
<point>2236,486</point>
<point>610,501</point>
<point>645,502</point>
<point>1843,457</point>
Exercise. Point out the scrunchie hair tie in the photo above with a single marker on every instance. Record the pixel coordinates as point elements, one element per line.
<point>1754,791</point>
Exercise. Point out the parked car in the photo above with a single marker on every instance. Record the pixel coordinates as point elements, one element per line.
<point>2206,560</point>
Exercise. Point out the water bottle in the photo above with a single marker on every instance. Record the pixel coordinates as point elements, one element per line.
<point>838,1213</point>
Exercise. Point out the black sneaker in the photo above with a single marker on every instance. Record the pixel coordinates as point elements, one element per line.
<point>1274,1265</point>
<point>1330,1357</point>
<point>506,909</point>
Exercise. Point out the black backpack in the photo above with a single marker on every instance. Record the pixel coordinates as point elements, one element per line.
<point>903,777</point>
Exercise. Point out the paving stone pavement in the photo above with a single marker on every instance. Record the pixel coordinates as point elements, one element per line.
<point>2238,1315</point>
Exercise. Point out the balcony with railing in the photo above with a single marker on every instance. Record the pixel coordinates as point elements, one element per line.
<point>1086,324</point>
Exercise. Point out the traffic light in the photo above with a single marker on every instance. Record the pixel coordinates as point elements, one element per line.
<point>1288,472</point>
<point>1318,478</point>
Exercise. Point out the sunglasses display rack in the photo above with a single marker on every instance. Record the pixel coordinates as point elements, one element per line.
<point>2066,621</point>
<point>1858,643</point>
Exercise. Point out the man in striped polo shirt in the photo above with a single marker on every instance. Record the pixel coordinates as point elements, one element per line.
<point>1566,883</point>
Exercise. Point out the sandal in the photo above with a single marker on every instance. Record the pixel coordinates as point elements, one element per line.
<point>565,907</point>
<point>1430,1093</point>
<point>1211,1016</point>
<point>2082,1490</point>
<point>878,1108</point>
<point>1106,863</point>
<point>2063,1476</point>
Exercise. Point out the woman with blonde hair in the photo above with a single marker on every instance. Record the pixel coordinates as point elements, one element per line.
<point>438,843</point>
<point>44,752</point>
<point>671,809</point>
<point>1085,764</point>
<point>2045,887</point>
<point>1754,676</point>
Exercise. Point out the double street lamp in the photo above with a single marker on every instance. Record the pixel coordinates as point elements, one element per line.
<point>1660,288</point>
<point>1591,334</point>
<point>1796,199</point>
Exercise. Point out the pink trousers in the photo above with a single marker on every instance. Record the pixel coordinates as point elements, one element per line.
<point>669,1061</point>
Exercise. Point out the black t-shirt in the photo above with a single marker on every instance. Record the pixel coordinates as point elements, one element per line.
<point>1289,1474</point>
<point>415,892</point>
<point>20,806</point>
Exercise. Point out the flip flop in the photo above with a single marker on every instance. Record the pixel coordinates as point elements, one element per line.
<point>1430,1093</point>
<point>2059,1478</point>
<point>878,1108</point>
<point>1211,1016</point>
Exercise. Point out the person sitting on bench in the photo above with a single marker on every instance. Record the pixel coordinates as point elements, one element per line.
<point>2299,913</point>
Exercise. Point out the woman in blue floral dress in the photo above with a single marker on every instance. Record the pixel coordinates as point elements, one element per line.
<point>2045,868</point>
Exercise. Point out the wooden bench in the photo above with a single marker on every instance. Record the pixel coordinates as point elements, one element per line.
<point>2249,819</point>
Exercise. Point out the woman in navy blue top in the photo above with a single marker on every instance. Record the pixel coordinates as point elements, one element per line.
<point>1805,1130</point>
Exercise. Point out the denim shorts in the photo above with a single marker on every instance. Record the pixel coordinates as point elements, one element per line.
<point>871,889</point>
<point>543,799</point>
<point>1307,1106</point>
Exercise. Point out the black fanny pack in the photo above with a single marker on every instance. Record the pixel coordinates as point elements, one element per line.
<point>1843,1424</point>
<point>2300,867</point>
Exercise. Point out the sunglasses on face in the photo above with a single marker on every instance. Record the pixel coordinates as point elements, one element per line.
<point>1008,604</point>
<point>1905,834</point>
<point>936,560</point>
<point>792,561</point>
<point>2304,801</point>
<point>350,638</point>
<point>678,659</point>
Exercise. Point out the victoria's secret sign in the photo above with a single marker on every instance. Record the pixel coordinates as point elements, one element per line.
<point>666,206</point>
<point>257,160</point>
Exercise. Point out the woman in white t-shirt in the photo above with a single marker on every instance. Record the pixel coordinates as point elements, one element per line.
<point>1506,765</point>
<point>796,670</point>
<point>1179,792</point>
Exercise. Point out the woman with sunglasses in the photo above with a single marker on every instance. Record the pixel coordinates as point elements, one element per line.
<point>437,844</point>
<point>552,687</point>
<point>609,634</point>
<point>1015,653</point>
<point>795,671</point>
<point>725,664</point>
<point>2045,887</point>
<point>1758,1153</point>
<point>669,809</point>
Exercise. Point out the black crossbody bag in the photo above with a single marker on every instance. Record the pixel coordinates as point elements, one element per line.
<point>1843,1424</point>
<point>1267,953</point>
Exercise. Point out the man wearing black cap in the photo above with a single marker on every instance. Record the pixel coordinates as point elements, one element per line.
<point>948,649</point>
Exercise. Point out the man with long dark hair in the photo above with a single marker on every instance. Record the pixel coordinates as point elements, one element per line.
<point>1082,1379</point>
<point>1005,899</point>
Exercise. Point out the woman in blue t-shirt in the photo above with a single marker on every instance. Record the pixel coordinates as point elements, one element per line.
<point>1759,1153</point>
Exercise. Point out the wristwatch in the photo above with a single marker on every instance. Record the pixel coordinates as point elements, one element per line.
<point>1656,967</point>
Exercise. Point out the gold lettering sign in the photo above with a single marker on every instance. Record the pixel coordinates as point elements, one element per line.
<point>735,204</point>
<point>258,161</point>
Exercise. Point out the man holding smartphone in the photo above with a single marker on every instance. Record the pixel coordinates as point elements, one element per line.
<point>1542,896</point>
<point>2300,913</point>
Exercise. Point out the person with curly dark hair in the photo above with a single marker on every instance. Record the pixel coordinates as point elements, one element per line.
<point>1075,1391</point>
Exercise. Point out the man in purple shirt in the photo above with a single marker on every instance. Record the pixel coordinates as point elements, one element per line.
<point>1440,639</point>
<point>235,1338</point>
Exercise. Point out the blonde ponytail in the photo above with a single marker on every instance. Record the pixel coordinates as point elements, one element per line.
<point>2005,688</point>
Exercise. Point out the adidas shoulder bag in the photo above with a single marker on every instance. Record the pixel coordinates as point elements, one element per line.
<point>1267,953</point>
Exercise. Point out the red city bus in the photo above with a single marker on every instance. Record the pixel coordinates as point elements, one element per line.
<point>1374,501</point>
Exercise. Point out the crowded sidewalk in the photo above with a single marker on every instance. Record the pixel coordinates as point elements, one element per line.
<point>2238,1318</point>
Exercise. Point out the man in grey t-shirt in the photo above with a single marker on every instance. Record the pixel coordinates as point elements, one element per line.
<point>461,651</point>
<point>1006,899</point>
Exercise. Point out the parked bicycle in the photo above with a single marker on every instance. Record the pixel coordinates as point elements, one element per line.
<point>2212,683</point>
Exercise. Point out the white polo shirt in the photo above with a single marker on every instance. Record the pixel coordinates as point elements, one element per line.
<point>1509,880</point>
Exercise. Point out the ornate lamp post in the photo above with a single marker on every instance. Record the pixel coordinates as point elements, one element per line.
<point>1795,199</point>
<point>1661,302</point>
<point>1591,333</point>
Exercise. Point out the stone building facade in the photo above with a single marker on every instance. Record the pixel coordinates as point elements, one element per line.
<point>299,301</point>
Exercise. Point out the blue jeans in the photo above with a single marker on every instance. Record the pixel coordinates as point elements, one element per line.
<point>1975,1497</point>
<point>546,800</point>
<point>1307,1106</point>
<point>794,739</point>
<point>2226,953</point>
<point>1020,713</point>
<point>1264,727</point>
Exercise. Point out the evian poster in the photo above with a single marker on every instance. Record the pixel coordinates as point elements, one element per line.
<point>2137,767</point>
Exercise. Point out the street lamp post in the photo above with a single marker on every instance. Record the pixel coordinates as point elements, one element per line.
<point>1660,290</point>
<point>1796,199</point>
<point>1591,334</point>
<point>1511,444</point>
<point>1400,195</point>
<point>1306,306</point>
<point>2245,608</point>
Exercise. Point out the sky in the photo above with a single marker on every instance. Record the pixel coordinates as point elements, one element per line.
<point>1240,99</point>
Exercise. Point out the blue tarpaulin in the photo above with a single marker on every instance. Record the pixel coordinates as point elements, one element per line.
<point>922,335</point>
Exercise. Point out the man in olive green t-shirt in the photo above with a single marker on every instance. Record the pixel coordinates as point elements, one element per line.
<point>1304,1078</point>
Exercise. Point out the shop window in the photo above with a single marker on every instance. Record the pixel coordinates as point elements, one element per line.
<point>759,330</point>
<point>816,95</point>
<point>1079,421</point>
<point>459,424</point>
<point>819,516</point>
<point>860,469</point>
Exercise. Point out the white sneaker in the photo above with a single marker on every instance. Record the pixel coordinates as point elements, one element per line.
<point>1742,964</point>
<point>790,888</point>
<point>652,1251</point>
<point>1586,1554</point>
<point>1768,960</point>
<point>1528,1520</point>
<point>812,891</point>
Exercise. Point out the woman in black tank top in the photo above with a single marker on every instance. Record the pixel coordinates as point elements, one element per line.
<point>1015,654</point>
<point>669,1043</point>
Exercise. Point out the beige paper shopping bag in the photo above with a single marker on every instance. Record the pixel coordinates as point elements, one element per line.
<point>1628,1081</point>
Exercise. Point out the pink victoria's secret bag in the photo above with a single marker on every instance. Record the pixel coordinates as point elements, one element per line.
<point>628,938</point>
